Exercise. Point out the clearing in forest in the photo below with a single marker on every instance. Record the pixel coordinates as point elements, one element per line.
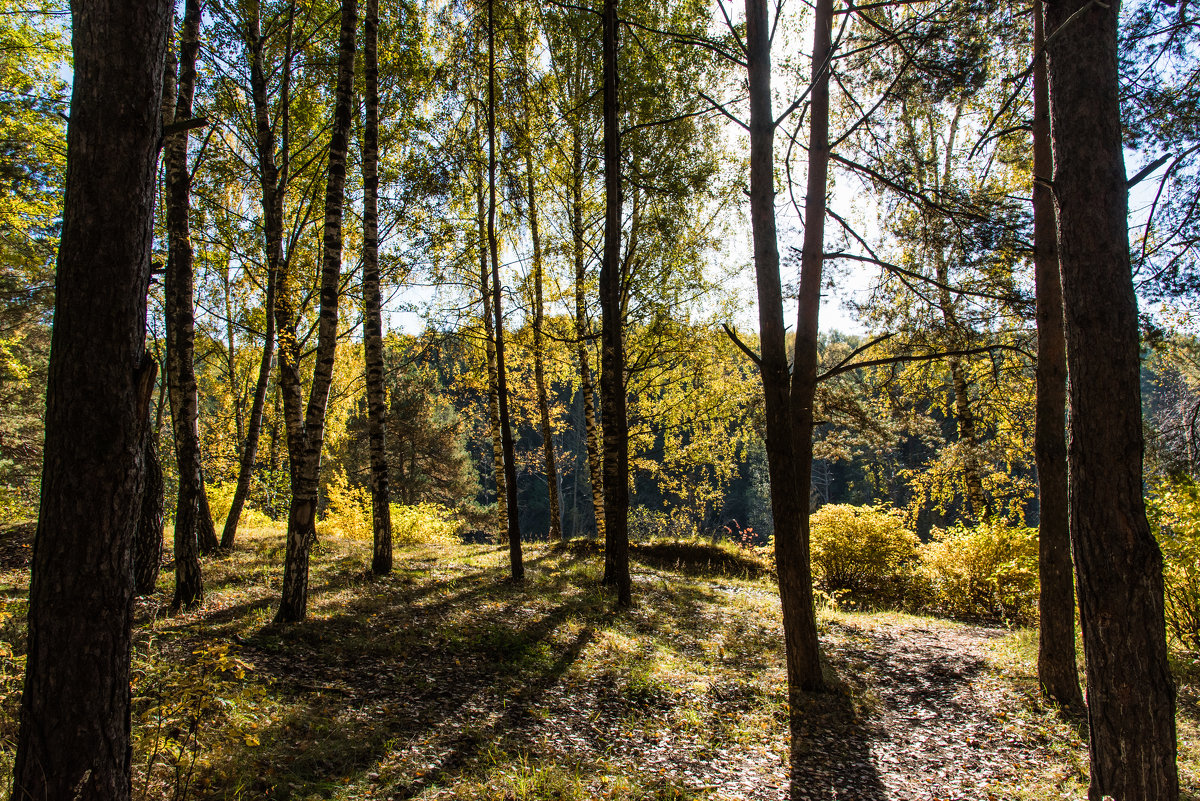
<point>447,681</point>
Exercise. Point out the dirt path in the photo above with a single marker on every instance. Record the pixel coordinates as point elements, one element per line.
<point>925,718</point>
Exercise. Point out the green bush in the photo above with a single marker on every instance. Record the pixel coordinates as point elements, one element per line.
<point>1174,512</point>
<point>987,573</point>
<point>864,552</point>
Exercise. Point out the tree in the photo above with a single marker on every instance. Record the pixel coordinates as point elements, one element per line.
<point>1056,601</point>
<point>306,426</point>
<point>788,395</point>
<point>181,378</point>
<point>273,185</point>
<point>74,721</point>
<point>381,552</point>
<point>516,564</point>
<point>1130,694</point>
<point>192,518</point>
<point>612,342</point>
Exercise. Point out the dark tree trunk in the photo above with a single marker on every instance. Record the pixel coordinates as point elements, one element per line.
<point>381,516</point>
<point>1056,602</point>
<point>539,353</point>
<point>148,544</point>
<point>73,741</point>
<point>516,563</point>
<point>192,521</point>
<point>272,180</point>
<point>189,586</point>
<point>583,333</point>
<point>612,340</point>
<point>489,345</point>
<point>788,405</point>
<point>307,437</point>
<point>1130,693</point>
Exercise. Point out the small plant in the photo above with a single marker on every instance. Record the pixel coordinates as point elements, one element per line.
<point>865,553</point>
<point>987,573</point>
<point>181,712</point>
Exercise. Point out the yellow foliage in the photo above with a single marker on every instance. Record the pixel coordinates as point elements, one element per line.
<point>424,523</point>
<point>989,572</point>
<point>348,510</point>
<point>1174,512</point>
<point>864,551</point>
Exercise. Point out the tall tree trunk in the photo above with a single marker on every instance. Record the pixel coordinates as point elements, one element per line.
<point>489,343</point>
<point>804,375</point>
<point>612,340</point>
<point>1056,601</point>
<point>582,335</point>
<point>539,353</point>
<point>788,420</point>
<point>73,741</point>
<point>192,506</point>
<point>307,438</point>
<point>272,180</point>
<point>516,563</point>
<point>1130,693</point>
<point>381,516</point>
<point>148,542</point>
<point>189,586</point>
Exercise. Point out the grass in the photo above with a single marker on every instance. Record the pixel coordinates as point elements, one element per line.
<point>445,680</point>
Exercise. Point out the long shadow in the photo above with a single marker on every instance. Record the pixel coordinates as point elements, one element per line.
<point>355,709</point>
<point>830,755</point>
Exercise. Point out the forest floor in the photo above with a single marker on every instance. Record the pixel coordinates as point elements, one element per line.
<point>444,680</point>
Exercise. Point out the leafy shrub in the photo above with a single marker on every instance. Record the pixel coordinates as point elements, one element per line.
<point>865,552</point>
<point>182,713</point>
<point>1174,512</point>
<point>986,573</point>
<point>424,523</point>
<point>220,499</point>
<point>347,510</point>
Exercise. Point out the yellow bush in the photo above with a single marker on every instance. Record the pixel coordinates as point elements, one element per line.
<point>220,499</point>
<point>425,523</point>
<point>986,573</point>
<point>347,511</point>
<point>1174,512</point>
<point>865,552</point>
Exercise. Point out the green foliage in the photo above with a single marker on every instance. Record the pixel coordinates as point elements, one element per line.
<point>865,552</point>
<point>985,573</point>
<point>183,713</point>
<point>1174,512</point>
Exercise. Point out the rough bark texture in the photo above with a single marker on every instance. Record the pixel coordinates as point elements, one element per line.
<point>189,586</point>
<point>271,182</point>
<point>73,741</point>
<point>148,542</point>
<point>612,339</point>
<point>1130,694</point>
<point>306,437</point>
<point>1056,601</point>
<point>582,334</point>
<point>381,516</point>
<point>788,420</point>
<point>516,562</point>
